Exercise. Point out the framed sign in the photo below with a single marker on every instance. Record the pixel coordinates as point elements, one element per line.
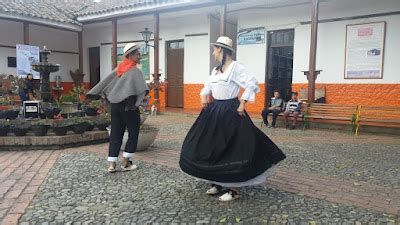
<point>251,36</point>
<point>144,62</point>
<point>31,109</point>
<point>365,46</point>
<point>26,55</point>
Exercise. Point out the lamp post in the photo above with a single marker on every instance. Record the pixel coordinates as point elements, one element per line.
<point>146,35</point>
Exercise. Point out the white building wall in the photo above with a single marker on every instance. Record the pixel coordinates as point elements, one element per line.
<point>196,50</point>
<point>54,39</point>
<point>331,38</point>
<point>11,33</point>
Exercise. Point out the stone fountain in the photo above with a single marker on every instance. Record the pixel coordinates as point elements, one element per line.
<point>45,68</point>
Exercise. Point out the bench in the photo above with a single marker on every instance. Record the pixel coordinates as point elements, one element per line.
<point>320,95</point>
<point>381,116</point>
<point>345,114</point>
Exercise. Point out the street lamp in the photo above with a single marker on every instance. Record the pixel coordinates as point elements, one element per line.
<point>146,35</point>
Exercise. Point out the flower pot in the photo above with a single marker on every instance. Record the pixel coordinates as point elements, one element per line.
<point>9,114</point>
<point>79,128</point>
<point>19,131</point>
<point>102,126</point>
<point>147,135</point>
<point>3,114</point>
<point>89,126</point>
<point>40,130</point>
<point>60,131</point>
<point>90,111</point>
<point>4,130</point>
<point>143,118</point>
<point>51,112</point>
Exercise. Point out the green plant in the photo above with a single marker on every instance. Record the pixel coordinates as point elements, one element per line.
<point>102,119</point>
<point>95,104</point>
<point>4,101</point>
<point>69,98</point>
<point>5,123</point>
<point>40,122</point>
<point>61,123</point>
<point>20,123</point>
<point>77,120</point>
<point>77,91</point>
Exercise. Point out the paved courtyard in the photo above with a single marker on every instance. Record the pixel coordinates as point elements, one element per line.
<point>328,177</point>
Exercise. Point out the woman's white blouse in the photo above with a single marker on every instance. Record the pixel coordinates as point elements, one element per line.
<point>227,85</point>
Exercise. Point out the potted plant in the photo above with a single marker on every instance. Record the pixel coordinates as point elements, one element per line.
<point>40,128</point>
<point>102,121</point>
<point>147,134</point>
<point>4,104</point>
<point>78,92</point>
<point>4,127</point>
<point>60,127</point>
<point>78,125</point>
<point>89,124</point>
<point>92,108</point>
<point>50,111</point>
<point>9,114</point>
<point>19,127</point>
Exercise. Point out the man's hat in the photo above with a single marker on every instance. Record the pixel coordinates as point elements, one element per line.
<point>130,47</point>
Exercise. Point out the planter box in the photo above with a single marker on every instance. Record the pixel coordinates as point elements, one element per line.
<point>147,135</point>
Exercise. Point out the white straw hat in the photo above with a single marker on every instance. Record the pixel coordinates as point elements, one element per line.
<point>224,42</point>
<point>130,47</point>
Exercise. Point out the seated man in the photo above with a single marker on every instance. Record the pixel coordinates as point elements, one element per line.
<point>274,107</point>
<point>293,108</point>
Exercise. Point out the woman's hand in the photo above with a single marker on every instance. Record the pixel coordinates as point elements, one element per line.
<point>241,108</point>
<point>203,101</point>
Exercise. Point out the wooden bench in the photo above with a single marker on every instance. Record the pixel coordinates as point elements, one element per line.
<point>381,116</point>
<point>344,114</point>
<point>319,94</point>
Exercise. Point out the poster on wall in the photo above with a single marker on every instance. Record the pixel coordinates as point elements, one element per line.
<point>26,55</point>
<point>251,36</point>
<point>144,62</point>
<point>365,45</point>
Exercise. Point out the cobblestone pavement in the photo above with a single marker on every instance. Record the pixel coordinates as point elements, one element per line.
<point>369,158</point>
<point>328,177</point>
<point>84,191</point>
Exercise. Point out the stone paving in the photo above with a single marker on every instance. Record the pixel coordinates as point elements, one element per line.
<point>156,194</point>
<point>328,177</point>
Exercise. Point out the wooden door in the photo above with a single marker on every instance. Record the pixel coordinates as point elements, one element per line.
<point>94,65</point>
<point>279,71</point>
<point>175,54</point>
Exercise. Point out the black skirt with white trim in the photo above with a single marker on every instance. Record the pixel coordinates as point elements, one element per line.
<point>223,146</point>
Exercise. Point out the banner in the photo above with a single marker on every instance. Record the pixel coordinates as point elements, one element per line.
<point>365,50</point>
<point>26,55</point>
<point>251,36</point>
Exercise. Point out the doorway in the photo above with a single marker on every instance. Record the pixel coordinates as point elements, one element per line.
<point>94,65</point>
<point>279,64</point>
<point>175,60</point>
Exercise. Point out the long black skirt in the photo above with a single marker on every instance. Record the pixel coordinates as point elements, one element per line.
<point>223,146</point>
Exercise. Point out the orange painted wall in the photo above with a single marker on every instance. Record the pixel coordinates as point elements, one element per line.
<point>359,94</point>
<point>162,98</point>
<point>192,98</point>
